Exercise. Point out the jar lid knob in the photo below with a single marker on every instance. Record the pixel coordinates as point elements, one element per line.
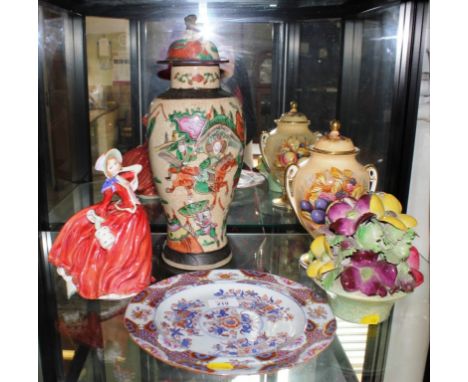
<point>335,127</point>
<point>191,23</point>
<point>293,105</point>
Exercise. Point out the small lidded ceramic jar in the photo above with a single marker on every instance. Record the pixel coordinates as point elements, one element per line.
<point>331,172</point>
<point>288,143</point>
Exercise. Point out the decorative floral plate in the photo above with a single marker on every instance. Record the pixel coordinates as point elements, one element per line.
<point>230,322</point>
<point>250,179</point>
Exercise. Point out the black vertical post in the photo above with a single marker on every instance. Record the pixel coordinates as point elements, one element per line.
<point>77,74</point>
<point>77,364</point>
<point>49,338</point>
<point>427,370</point>
<point>291,66</point>
<point>135,82</point>
<point>406,96</point>
<point>351,69</point>
<point>378,337</point>
<point>146,361</point>
<point>44,159</point>
<point>286,45</point>
<point>278,62</point>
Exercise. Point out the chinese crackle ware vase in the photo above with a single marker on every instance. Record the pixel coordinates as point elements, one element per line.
<point>285,145</point>
<point>331,172</point>
<point>196,143</point>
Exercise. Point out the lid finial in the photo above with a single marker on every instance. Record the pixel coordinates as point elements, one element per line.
<point>333,143</point>
<point>335,127</point>
<point>293,105</point>
<point>191,23</point>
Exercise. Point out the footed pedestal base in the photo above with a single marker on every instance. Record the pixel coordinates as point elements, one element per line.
<point>282,202</point>
<point>196,261</point>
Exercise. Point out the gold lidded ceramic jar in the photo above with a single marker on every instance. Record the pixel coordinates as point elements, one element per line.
<point>331,172</point>
<point>196,143</point>
<point>287,144</point>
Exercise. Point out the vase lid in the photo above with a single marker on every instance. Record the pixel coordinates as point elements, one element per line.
<point>293,115</point>
<point>192,49</point>
<point>334,143</point>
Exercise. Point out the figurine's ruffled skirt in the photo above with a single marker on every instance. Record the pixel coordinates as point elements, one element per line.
<point>123,269</point>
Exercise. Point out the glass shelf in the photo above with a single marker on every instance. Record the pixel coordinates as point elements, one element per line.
<point>251,210</point>
<point>94,329</point>
<point>92,343</point>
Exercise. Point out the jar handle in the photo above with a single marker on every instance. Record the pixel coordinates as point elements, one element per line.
<point>289,175</point>
<point>373,176</point>
<point>263,140</point>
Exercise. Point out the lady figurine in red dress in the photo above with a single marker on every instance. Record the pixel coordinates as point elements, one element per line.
<point>104,251</point>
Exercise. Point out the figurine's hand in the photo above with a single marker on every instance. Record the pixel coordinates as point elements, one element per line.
<point>136,168</point>
<point>95,218</point>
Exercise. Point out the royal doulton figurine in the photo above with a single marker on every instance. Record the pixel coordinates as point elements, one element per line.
<point>104,251</point>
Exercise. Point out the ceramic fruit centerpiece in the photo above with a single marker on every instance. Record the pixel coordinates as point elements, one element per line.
<point>331,173</point>
<point>364,257</point>
<point>104,251</point>
<point>196,141</point>
<point>286,145</point>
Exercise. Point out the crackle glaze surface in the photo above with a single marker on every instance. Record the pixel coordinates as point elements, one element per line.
<point>196,150</point>
<point>230,322</point>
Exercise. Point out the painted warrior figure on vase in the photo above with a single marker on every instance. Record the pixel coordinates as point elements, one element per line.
<point>204,149</point>
<point>104,251</point>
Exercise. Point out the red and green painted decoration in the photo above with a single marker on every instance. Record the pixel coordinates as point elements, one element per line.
<point>185,49</point>
<point>198,78</point>
<point>210,135</point>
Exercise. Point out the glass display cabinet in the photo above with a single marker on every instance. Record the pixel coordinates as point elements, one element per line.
<point>356,61</point>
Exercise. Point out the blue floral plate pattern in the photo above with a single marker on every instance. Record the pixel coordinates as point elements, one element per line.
<point>230,322</point>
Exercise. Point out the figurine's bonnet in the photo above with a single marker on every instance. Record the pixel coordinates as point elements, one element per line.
<point>102,160</point>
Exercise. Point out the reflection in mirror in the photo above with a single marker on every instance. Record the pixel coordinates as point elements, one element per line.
<point>108,63</point>
<point>247,46</point>
<point>52,28</point>
<point>368,84</point>
<point>319,71</point>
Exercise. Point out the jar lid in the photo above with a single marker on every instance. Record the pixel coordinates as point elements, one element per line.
<point>293,116</point>
<point>333,143</point>
<point>192,49</point>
